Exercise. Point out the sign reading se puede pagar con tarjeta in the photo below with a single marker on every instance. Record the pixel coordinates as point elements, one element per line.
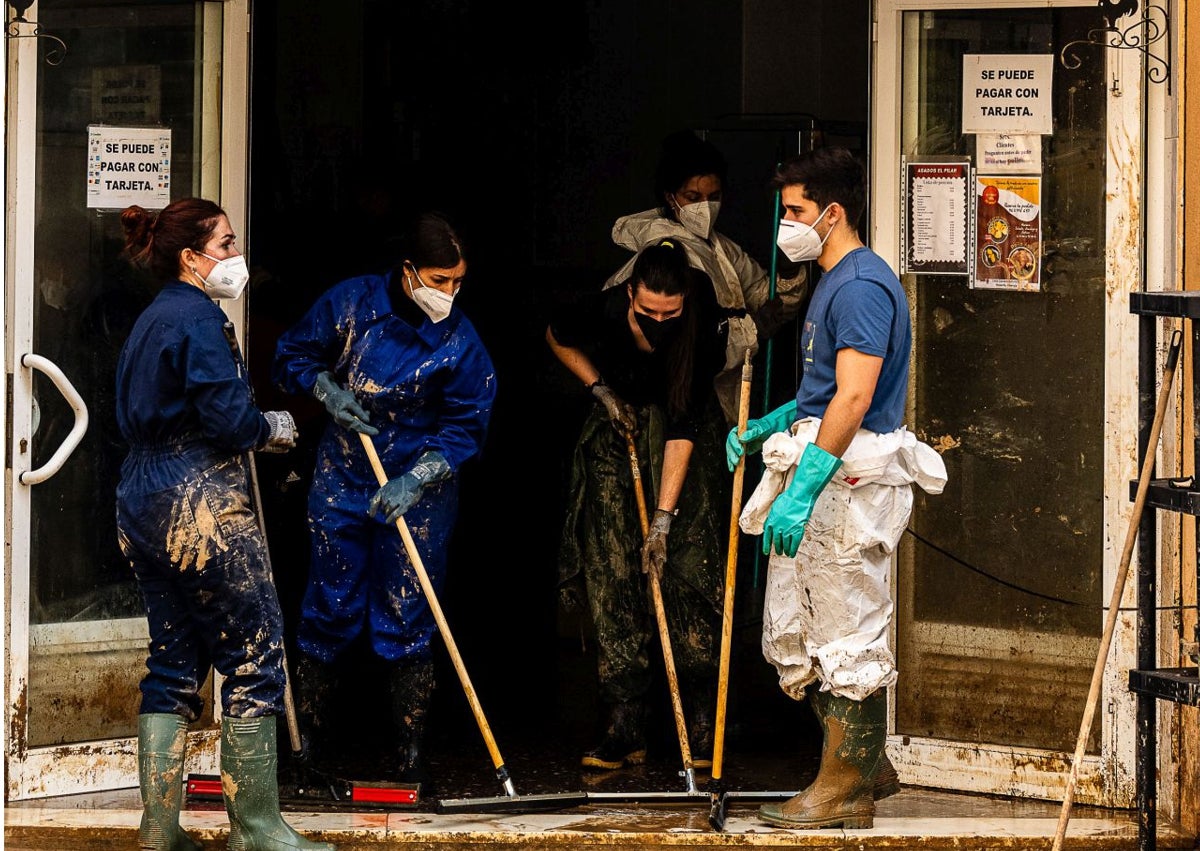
<point>128,165</point>
<point>1007,93</point>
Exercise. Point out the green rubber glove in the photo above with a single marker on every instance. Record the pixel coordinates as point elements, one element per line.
<point>791,509</point>
<point>757,431</point>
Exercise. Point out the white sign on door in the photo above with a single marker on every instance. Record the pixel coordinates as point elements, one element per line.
<point>1007,93</point>
<point>128,165</point>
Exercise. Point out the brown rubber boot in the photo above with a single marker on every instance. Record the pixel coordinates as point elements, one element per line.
<point>887,781</point>
<point>841,795</point>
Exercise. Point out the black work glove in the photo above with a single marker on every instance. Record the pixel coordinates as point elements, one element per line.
<point>654,551</point>
<point>402,492</point>
<point>769,318</point>
<point>622,414</point>
<point>342,405</point>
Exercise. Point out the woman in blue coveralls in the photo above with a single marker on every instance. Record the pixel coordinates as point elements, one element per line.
<point>186,523</point>
<point>391,356</point>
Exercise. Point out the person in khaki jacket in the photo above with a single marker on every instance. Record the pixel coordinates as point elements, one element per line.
<point>688,186</point>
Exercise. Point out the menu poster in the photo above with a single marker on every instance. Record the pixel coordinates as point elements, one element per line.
<point>935,211</point>
<point>1008,236</point>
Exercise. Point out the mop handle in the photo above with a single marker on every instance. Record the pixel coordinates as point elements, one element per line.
<point>661,616</point>
<point>443,627</point>
<point>739,475</point>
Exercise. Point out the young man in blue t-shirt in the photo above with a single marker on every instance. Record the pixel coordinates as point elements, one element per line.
<point>828,605</point>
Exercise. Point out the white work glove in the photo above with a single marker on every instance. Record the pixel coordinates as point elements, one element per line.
<point>283,434</point>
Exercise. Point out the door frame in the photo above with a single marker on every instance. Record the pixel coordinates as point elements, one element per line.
<point>1105,779</point>
<point>224,89</point>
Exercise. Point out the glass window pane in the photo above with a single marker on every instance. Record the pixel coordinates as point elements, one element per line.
<point>1000,589</point>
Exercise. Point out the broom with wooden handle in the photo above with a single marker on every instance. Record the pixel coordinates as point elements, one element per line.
<point>510,801</point>
<point>664,637</point>
<point>719,803</point>
<point>1114,606</point>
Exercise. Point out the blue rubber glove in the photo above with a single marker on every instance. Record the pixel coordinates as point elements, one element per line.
<point>757,431</point>
<point>402,492</point>
<point>342,405</point>
<point>791,509</point>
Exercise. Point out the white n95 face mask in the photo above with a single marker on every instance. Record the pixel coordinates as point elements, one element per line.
<point>435,303</point>
<point>798,241</point>
<point>228,278</point>
<point>699,218</point>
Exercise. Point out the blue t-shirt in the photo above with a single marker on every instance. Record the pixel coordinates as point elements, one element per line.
<point>858,304</point>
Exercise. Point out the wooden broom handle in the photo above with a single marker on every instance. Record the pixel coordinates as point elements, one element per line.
<point>660,614</point>
<point>289,703</point>
<point>1114,606</point>
<point>739,475</point>
<point>435,607</point>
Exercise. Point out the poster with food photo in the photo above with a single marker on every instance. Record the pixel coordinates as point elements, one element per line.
<point>1008,239</point>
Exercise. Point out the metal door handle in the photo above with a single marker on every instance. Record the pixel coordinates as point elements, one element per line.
<point>60,456</point>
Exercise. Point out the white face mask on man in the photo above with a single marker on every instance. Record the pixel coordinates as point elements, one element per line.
<point>435,303</point>
<point>228,278</point>
<point>800,242</point>
<point>698,218</point>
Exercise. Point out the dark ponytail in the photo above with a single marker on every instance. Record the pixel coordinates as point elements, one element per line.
<point>155,242</point>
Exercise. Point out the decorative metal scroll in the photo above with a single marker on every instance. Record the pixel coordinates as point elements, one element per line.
<point>1150,28</point>
<point>19,27</point>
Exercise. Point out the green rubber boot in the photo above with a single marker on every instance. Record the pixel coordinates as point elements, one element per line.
<point>162,738</point>
<point>842,793</point>
<point>887,780</point>
<point>249,763</point>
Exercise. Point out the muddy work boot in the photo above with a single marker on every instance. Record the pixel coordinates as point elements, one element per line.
<point>162,738</point>
<point>249,784</point>
<point>411,685</point>
<point>624,741</point>
<point>315,683</point>
<point>886,781</point>
<point>842,795</point>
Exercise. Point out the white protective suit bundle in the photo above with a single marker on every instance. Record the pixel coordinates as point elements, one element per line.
<point>828,609</point>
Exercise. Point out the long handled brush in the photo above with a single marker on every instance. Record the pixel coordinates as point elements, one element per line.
<point>719,804</point>
<point>689,771</point>
<point>510,801</point>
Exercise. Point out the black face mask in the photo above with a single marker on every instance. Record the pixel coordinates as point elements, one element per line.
<point>657,331</point>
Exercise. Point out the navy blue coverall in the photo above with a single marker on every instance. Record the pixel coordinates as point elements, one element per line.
<point>185,520</point>
<point>426,386</point>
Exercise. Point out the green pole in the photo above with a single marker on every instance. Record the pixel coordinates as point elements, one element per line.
<point>767,369</point>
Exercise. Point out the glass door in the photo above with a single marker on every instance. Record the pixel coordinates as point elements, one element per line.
<point>1003,579</point>
<point>77,627</point>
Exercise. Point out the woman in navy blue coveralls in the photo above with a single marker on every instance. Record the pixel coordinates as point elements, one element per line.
<point>391,356</point>
<point>186,524</point>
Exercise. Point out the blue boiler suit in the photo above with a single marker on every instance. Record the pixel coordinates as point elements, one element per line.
<point>185,520</point>
<point>426,386</point>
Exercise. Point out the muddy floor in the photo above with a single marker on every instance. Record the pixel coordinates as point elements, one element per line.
<point>542,725</point>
